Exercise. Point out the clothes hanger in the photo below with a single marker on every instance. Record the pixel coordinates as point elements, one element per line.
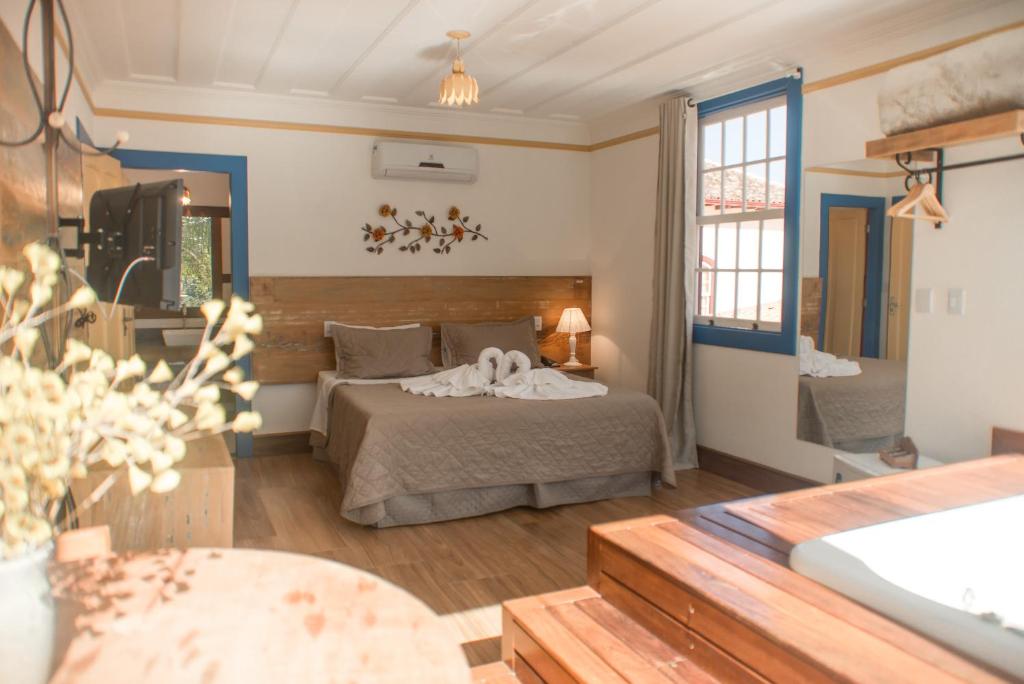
<point>923,195</point>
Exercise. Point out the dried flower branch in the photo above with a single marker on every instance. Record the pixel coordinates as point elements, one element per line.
<point>425,232</point>
<point>57,423</point>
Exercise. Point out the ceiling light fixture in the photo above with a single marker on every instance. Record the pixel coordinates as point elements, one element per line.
<point>458,88</point>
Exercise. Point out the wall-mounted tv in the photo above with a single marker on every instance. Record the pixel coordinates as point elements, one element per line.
<point>142,220</point>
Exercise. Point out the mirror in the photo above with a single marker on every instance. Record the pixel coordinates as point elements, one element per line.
<point>854,307</point>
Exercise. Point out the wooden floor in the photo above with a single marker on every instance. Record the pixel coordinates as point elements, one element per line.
<point>462,569</point>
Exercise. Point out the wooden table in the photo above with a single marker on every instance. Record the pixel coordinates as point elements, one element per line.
<point>232,615</point>
<point>585,370</point>
<point>198,512</point>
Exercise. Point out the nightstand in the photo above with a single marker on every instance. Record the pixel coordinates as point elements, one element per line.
<point>584,370</point>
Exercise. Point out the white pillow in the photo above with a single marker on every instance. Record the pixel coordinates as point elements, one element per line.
<point>328,324</point>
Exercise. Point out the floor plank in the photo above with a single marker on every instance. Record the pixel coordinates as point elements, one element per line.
<point>462,569</point>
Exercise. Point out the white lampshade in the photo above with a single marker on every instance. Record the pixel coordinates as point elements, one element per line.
<point>573,321</point>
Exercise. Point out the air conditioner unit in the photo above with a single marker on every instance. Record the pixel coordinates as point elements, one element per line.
<point>424,161</point>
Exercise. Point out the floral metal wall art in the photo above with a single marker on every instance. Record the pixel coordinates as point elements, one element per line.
<point>412,237</point>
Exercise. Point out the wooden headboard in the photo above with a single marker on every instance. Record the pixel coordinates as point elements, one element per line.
<point>293,349</point>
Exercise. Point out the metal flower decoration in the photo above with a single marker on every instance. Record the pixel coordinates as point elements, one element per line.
<point>427,229</point>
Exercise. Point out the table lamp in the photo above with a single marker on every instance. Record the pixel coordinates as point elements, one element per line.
<point>572,321</point>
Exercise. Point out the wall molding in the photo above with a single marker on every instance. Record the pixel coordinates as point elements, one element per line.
<point>761,477</point>
<point>814,86</point>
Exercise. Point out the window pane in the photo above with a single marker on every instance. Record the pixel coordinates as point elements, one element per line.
<point>713,145</point>
<point>777,132</point>
<point>777,184</point>
<point>772,244</point>
<point>725,293</point>
<point>754,194</point>
<point>726,246</point>
<point>732,198</point>
<point>711,187</point>
<point>771,297</point>
<point>196,260</point>
<point>757,133</point>
<point>707,246</point>
<point>707,293</point>
<point>734,141</point>
<point>749,251</point>
<point>746,296</point>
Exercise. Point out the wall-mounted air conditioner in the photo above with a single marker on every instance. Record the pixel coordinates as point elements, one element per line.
<point>424,161</point>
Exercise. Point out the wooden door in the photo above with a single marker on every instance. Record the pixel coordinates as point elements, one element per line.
<point>900,245</point>
<point>844,304</point>
<point>113,330</point>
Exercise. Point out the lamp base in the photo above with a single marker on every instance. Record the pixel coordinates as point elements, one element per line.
<point>572,362</point>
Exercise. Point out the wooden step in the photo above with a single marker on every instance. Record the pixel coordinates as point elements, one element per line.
<point>742,617</point>
<point>577,636</point>
<point>493,673</point>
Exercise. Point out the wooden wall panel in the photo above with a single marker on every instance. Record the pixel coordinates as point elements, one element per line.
<point>292,348</point>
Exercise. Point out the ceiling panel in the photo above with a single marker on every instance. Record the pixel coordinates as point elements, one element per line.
<point>250,40</point>
<point>551,58</point>
<point>151,38</point>
<point>417,46</point>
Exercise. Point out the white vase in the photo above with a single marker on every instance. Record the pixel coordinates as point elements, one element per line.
<point>27,618</point>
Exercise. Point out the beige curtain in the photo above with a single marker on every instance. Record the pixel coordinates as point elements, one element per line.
<point>670,374</point>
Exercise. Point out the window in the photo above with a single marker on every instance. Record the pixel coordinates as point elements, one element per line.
<point>745,279</point>
<point>202,255</point>
<point>196,260</point>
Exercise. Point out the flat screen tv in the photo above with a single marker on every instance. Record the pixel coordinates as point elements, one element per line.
<point>137,221</point>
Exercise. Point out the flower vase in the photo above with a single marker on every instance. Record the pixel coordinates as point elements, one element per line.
<point>27,618</point>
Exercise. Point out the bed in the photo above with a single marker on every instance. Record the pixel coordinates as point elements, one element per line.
<point>405,459</point>
<point>860,414</point>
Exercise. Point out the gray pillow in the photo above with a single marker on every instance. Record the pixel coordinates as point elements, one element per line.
<point>462,343</point>
<point>369,354</point>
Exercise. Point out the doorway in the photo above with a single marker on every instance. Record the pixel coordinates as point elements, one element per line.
<point>235,169</point>
<point>901,244</point>
<point>851,272</point>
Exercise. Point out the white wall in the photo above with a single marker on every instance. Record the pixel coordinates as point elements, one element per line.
<point>964,373</point>
<point>625,179</point>
<point>310,192</point>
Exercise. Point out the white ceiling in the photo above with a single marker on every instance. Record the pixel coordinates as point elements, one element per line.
<point>567,59</point>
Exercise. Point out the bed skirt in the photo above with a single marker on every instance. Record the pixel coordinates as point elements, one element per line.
<point>417,509</point>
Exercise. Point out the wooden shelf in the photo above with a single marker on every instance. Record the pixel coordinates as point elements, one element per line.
<point>1001,125</point>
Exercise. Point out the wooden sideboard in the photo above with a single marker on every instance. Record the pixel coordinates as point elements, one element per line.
<point>199,512</point>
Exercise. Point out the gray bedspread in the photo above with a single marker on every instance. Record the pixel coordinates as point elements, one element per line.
<point>406,459</point>
<point>861,413</point>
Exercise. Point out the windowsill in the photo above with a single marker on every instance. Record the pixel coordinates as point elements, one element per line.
<point>750,340</point>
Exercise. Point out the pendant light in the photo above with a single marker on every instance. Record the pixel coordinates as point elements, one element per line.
<point>458,88</point>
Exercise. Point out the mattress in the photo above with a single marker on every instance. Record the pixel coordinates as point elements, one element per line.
<point>405,459</point>
<point>860,413</point>
<point>955,576</point>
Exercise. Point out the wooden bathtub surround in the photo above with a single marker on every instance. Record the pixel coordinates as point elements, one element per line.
<point>671,598</point>
<point>293,349</point>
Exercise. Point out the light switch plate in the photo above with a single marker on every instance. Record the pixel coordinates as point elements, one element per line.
<point>538,323</point>
<point>956,301</point>
<point>923,300</point>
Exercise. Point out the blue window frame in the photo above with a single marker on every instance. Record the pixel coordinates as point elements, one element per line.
<point>872,322</point>
<point>761,331</point>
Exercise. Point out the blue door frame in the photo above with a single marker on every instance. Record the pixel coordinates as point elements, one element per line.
<point>237,169</point>
<point>870,329</point>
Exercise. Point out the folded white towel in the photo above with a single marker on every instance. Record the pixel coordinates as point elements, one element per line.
<point>489,361</point>
<point>509,377</point>
<point>818,364</point>
<point>513,362</point>
<point>546,384</point>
